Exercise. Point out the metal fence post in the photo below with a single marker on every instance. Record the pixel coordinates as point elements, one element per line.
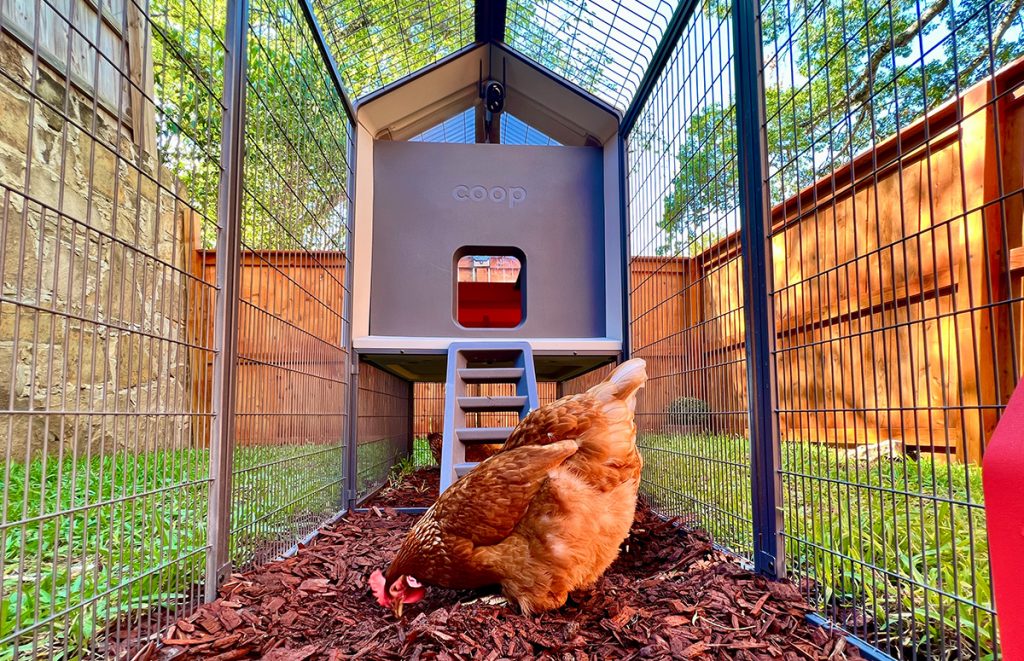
<point>229,214</point>
<point>760,334</point>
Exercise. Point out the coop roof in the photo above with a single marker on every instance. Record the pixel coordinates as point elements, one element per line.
<point>603,47</point>
<point>440,100</point>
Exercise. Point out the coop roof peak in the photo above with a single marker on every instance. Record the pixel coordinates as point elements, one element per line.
<point>550,103</point>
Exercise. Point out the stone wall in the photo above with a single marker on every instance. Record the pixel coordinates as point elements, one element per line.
<point>93,344</point>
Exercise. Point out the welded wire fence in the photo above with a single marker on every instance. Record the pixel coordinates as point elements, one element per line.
<point>892,215</point>
<point>686,305</point>
<point>291,372</point>
<point>384,419</point>
<point>895,184</point>
<point>104,482</point>
<point>115,148</point>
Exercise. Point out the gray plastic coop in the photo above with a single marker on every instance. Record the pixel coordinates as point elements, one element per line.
<point>423,208</point>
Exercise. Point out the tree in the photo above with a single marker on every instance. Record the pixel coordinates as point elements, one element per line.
<point>841,75</point>
<point>704,190</point>
<point>296,131</point>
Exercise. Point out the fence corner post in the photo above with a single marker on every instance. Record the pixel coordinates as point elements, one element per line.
<point>752,152</point>
<point>225,331</point>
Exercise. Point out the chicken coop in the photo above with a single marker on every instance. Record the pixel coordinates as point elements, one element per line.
<point>258,255</point>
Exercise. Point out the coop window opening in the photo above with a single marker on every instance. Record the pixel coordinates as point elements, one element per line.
<point>490,287</point>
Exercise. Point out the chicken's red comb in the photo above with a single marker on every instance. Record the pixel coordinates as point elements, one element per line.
<point>379,589</point>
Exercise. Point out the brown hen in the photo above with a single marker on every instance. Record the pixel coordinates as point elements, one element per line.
<point>544,516</point>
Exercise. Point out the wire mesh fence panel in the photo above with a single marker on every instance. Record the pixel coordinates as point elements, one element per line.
<point>377,42</point>
<point>291,372</point>
<point>109,148</point>
<point>686,312</point>
<point>428,418</point>
<point>895,184</point>
<point>385,417</point>
<point>604,47</point>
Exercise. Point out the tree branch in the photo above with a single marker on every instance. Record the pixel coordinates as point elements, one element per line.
<point>997,39</point>
<point>901,40</point>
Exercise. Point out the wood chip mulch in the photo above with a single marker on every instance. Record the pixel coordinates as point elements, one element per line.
<point>417,489</point>
<point>669,595</point>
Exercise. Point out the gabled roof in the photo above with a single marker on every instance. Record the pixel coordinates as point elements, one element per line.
<point>560,110</point>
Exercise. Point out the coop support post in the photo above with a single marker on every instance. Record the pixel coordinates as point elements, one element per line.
<point>225,328</point>
<point>624,237</point>
<point>760,334</point>
<point>349,468</point>
<point>352,430</point>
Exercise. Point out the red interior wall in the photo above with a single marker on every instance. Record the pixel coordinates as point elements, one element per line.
<point>489,305</point>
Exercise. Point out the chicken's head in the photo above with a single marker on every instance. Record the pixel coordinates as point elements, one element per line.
<point>403,590</point>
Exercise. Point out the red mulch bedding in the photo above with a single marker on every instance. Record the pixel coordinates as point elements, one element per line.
<point>669,595</point>
<point>417,489</point>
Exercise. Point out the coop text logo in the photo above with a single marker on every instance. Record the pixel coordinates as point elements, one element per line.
<point>511,195</point>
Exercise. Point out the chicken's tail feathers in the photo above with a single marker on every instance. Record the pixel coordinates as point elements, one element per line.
<point>626,380</point>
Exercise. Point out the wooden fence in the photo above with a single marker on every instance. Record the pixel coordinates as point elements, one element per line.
<point>896,281</point>
<point>291,381</point>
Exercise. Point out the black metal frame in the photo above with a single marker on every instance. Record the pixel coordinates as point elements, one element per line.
<point>325,53</point>
<point>490,20</point>
<point>766,484</point>
<point>350,468</point>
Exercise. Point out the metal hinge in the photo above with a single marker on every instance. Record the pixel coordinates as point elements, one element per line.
<point>766,560</point>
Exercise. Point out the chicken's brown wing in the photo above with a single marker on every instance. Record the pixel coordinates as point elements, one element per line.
<point>485,505</point>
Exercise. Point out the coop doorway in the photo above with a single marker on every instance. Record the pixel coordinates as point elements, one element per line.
<point>490,287</point>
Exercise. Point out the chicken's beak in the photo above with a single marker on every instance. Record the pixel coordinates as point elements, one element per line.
<point>396,608</point>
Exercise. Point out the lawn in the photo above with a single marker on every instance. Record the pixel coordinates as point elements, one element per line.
<point>110,535</point>
<point>902,540</point>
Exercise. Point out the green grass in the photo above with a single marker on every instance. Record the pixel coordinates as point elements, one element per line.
<point>375,461</point>
<point>421,453</point>
<point>132,531</point>
<point>889,538</point>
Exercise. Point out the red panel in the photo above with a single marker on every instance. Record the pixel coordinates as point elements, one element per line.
<point>490,305</point>
<point>1003,478</point>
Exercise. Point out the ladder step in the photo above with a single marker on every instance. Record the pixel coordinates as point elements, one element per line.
<point>492,404</point>
<point>462,469</point>
<point>491,374</point>
<point>475,435</point>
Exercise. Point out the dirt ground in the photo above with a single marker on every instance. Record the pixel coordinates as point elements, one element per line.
<point>670,595</point>
<point>417,489</point>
